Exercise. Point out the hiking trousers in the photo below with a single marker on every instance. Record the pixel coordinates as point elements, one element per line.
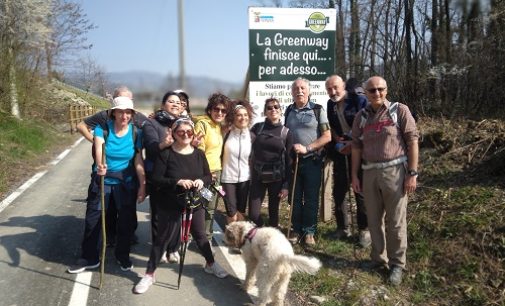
<point>306,197</point>
<point>341,182</point>
<point>386,207</point>
<point>123,197</point>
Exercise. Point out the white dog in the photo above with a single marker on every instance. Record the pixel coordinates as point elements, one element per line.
<point>269,257</point>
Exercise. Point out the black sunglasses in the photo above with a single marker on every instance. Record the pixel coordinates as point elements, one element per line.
<point>373,90</point>
<point>270,107</point>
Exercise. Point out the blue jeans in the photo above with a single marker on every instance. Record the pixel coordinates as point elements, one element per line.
<point>306,196</point>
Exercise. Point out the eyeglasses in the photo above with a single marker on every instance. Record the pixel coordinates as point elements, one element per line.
<point>181,133</point>
<point>219,110</point>
<point>373,90</point>
<point>174,102</point>
<point>271,107</point>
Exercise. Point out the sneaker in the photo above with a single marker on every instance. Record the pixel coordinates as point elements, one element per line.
<point>216,269</point>
<point>342,234</point>
<point>163,258</point>
<point>309,239</point>
<point>144,284</point>
<point>364,239</point>
<point>126,265</point>
<point>82,265</point>
<point>173,257</point>
<point>395,276</point>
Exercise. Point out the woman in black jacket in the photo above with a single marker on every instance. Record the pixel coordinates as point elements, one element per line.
<point>271,163</point>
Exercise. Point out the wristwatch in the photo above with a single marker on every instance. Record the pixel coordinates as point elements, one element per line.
<point>412,172</point>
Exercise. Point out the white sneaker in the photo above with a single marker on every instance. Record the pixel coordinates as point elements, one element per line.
<point>144,284</point>
<point>163,258</point>
<point>174,257</point>
<point>216,269</point>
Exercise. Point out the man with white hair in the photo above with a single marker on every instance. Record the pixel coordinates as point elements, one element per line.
<point>385,146</point>
<point>311,132</point>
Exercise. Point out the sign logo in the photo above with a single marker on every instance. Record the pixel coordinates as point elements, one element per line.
<point>262,18</point>
<point>317,22</point>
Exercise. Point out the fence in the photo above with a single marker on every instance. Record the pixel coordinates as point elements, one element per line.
<point>76,113</point>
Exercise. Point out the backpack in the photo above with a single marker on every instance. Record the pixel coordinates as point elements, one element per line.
<point>392,112</point>
<point>315,107</point>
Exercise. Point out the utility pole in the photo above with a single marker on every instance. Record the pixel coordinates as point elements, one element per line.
<point>182,77</point>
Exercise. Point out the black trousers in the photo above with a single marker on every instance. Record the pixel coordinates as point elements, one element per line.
<point>169,235</point>
<point>256,196</point>
<point>123,198</point>
<point>341,183</point>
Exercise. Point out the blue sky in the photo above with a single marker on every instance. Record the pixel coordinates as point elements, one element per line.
<point>142,35</point>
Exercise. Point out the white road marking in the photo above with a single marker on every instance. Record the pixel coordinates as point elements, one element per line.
<point>80,292</point>
<point>20,190</point>
<point>7,201</point>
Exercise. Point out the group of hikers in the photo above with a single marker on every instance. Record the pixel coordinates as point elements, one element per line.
<point>183,161</point>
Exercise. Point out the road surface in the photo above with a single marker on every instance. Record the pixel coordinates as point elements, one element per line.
<point>40,235</point>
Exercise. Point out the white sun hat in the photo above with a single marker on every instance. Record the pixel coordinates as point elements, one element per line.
<point>122,103</point>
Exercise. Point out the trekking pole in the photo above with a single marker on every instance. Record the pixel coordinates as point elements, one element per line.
<point>349,191</point>
<point>292,195</point>
<point>104,236</point>
<point>186,217</point>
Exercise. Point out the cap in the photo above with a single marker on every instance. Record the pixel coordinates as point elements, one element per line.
<point>122,103</point>
<point>183,93</point>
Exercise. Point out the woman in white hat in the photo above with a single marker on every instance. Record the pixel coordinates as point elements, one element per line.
<point>124,185</point>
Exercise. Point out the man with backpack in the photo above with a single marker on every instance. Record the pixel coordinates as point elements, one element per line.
<point>385,146</point>
<point>342,107</point>
<point>311,132</point>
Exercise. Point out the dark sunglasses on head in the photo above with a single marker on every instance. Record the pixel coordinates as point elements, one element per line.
<point>181,133</point>
<point>373,90</point>
<point>222,110</point>
<point>271,107</point>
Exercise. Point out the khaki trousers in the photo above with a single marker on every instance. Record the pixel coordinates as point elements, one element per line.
<point>386,209</point>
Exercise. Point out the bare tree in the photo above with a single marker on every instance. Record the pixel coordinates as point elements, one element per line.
<point>69,26</point>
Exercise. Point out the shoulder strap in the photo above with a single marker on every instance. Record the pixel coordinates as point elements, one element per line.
<point>286,113</point>
<point>317,110</point>
<point>284,134</point>
<point>393,112</point>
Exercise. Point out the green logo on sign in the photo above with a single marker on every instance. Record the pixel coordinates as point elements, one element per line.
<point>317,22</point>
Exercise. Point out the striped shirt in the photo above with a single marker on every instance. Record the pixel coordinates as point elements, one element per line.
<point>382,139</point>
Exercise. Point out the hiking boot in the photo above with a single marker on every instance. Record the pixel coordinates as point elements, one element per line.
<point>395,275</point>
<point>309,239</point>
<point>144,284</point>
<point>294,238</point>
<point>164,258</point>
<point>216,269</point>
<point>364,239</point>
<point>125,265</point>
<point>174,257</point>
<point>82,265</point>
<point>342,234</point>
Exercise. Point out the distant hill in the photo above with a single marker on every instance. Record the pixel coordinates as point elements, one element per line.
<point>149,86</point>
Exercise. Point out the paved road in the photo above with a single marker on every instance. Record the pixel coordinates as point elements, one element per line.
<point>40,233</point>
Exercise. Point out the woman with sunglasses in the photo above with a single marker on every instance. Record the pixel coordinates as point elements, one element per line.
<point>158,136</point>
<point>236,151</point>
<point>208,130</point>
<point>271,163</point>
<point>178,169</point>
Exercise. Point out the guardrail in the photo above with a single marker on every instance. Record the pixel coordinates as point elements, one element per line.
<point>77,113</point>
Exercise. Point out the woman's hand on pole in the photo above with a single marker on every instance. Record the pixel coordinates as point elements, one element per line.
<point>101,169</point>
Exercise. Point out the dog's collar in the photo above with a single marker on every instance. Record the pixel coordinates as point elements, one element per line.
<point>250,235</point>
